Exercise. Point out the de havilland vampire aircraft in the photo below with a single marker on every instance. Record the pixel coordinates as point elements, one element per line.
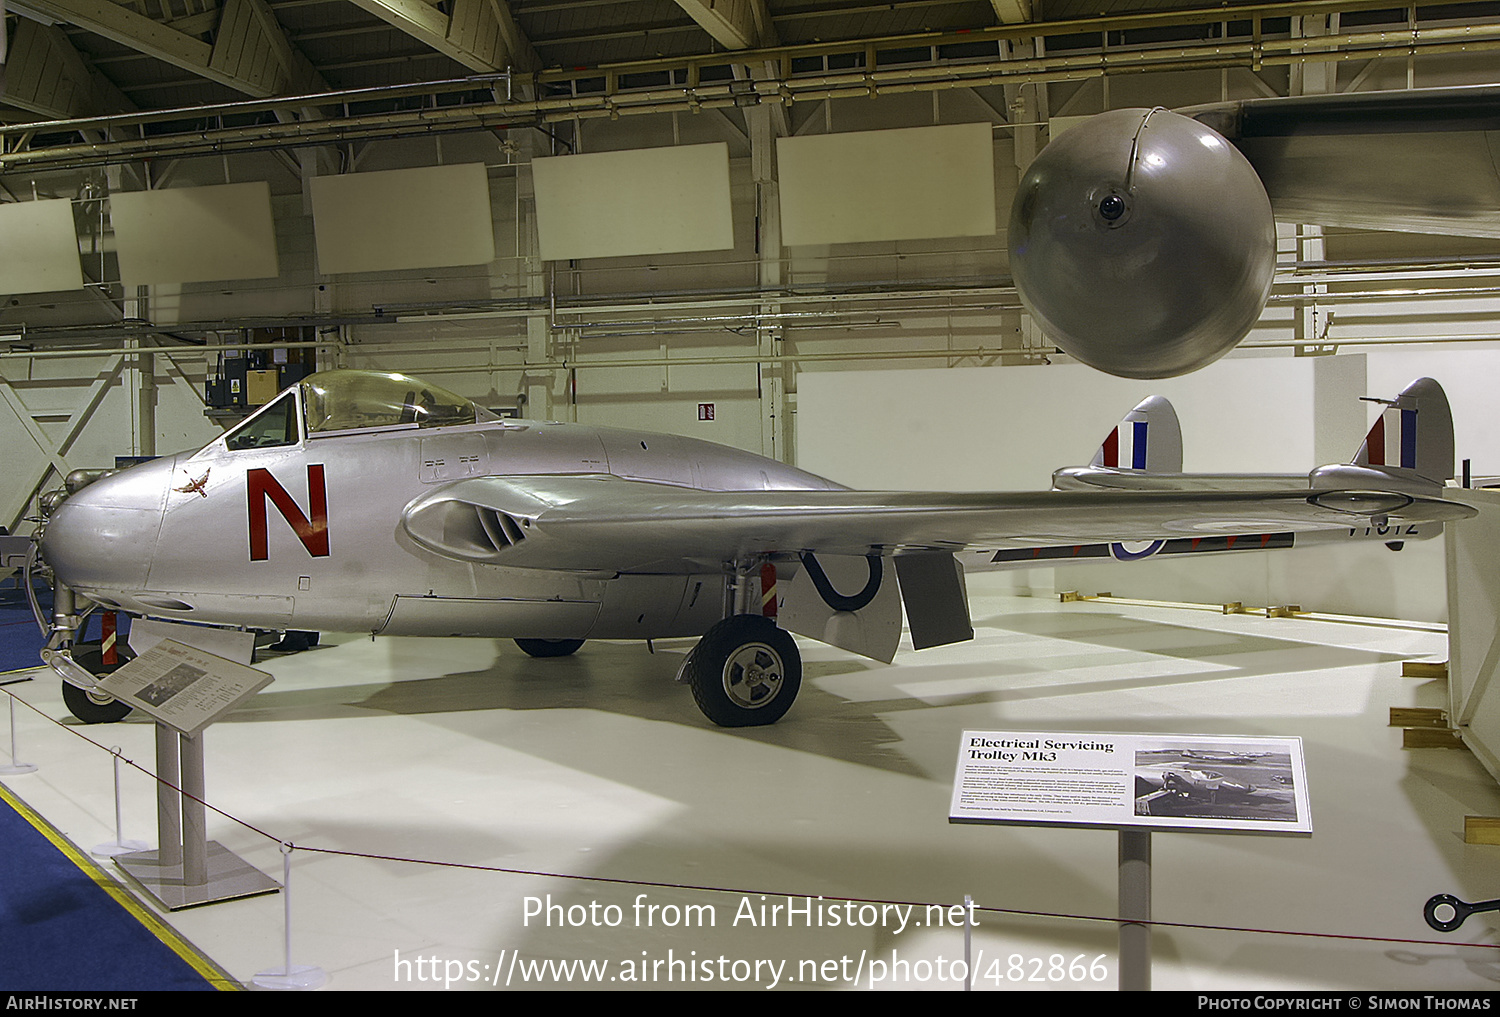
<point>377,503</point>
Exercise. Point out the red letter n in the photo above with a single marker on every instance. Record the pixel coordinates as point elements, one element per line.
<point>260,485</point>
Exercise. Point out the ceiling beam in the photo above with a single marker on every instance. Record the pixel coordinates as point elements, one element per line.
<point>1012,12</point>
<point>126,27</point>
<point>482,35</point>
<point>250,52</point>
<point>734,24</point>
<point>249,57</point>
<point>45,75</point>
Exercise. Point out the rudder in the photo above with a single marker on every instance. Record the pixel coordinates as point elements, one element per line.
<point>1148,439</point>
<point>1413,436</point>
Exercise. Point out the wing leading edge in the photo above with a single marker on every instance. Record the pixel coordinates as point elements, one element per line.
<point>602,523</point>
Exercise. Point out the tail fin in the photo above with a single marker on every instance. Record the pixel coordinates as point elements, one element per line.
<point>1410,446</point>
<point>1413,437</point>
<point>1148,439</point>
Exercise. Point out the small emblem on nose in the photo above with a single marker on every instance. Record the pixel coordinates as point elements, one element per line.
<point>194,485</point>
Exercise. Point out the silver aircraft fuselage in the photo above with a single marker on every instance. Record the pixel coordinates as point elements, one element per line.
<point>308,535</point>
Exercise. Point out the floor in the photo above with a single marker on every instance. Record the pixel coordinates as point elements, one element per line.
<point>464,816</point>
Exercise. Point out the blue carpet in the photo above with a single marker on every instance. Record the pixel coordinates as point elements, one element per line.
<point>20,641</point>
<point>66,927</point>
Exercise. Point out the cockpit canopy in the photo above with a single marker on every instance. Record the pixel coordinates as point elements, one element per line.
<point>343,400</point>
<point>348,400</point>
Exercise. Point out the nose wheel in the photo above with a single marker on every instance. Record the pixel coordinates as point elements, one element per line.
<point>745,672</point>
<point>92,707</point>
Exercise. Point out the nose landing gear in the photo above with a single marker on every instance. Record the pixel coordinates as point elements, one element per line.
<point>98,659</point>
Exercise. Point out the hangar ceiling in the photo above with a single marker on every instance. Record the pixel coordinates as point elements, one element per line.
<point>110,70</point>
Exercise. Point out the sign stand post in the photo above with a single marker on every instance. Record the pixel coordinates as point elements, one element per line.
<point>1135,910</point>
<point>188,869</point>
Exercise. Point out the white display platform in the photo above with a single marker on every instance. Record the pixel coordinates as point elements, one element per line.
<point>466,751</point>
<point>1473,558</point>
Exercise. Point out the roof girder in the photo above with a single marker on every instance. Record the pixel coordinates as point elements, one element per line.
<point>482,35</point>
<point>250,53</point>
<point>1012,12</point>
<point>734,24</point>
<point>45,75</point>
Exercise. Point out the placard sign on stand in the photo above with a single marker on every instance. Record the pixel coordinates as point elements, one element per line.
<point>183,687</point>
<point>186,689</point>
<point>1133,783</point>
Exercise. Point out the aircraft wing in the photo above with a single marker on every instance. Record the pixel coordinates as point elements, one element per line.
<point>602,523</point>
<point>1420,161</point>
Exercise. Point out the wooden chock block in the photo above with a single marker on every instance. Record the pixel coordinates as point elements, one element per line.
<point>1424,669</point>
<point>1430,738</point>
<point>1418,716</point>
<point>1482,829</point>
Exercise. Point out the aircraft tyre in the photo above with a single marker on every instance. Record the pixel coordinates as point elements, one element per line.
<point>745,672</point>
<point>549,647</point>
<point>293,641</point>
<point>83,705</point>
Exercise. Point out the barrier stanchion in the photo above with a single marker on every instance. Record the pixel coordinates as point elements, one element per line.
<point>291,976</point>
<point>118,846</point>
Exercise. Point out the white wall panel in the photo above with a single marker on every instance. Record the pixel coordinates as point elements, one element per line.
<point>194,234</point>
<point>38,247</point>
<point>430,217</point>
<point>1473,558</point>
<point>642,201</point>
<point>906,184</point>
<point>1008,428</point>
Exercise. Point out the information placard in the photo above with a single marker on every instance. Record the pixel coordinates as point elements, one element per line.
<point>1122,781</point>
<point>182,686</point>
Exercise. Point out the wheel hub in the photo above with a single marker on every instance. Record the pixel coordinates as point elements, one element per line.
<point>753,675</point>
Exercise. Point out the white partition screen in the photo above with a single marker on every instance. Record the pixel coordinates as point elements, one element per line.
<point>905,184</point>
<point>642,201</point>
<point>38,247</point>
<point>195,234</point>
<point>431,217</point>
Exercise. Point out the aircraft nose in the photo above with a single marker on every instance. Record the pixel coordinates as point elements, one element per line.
<point>104,536</point>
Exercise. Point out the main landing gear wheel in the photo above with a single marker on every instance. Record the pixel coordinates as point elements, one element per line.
<point>294,641</point>
<point>91,707</point>
<point>549,647</point>
<point>745,672</point>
